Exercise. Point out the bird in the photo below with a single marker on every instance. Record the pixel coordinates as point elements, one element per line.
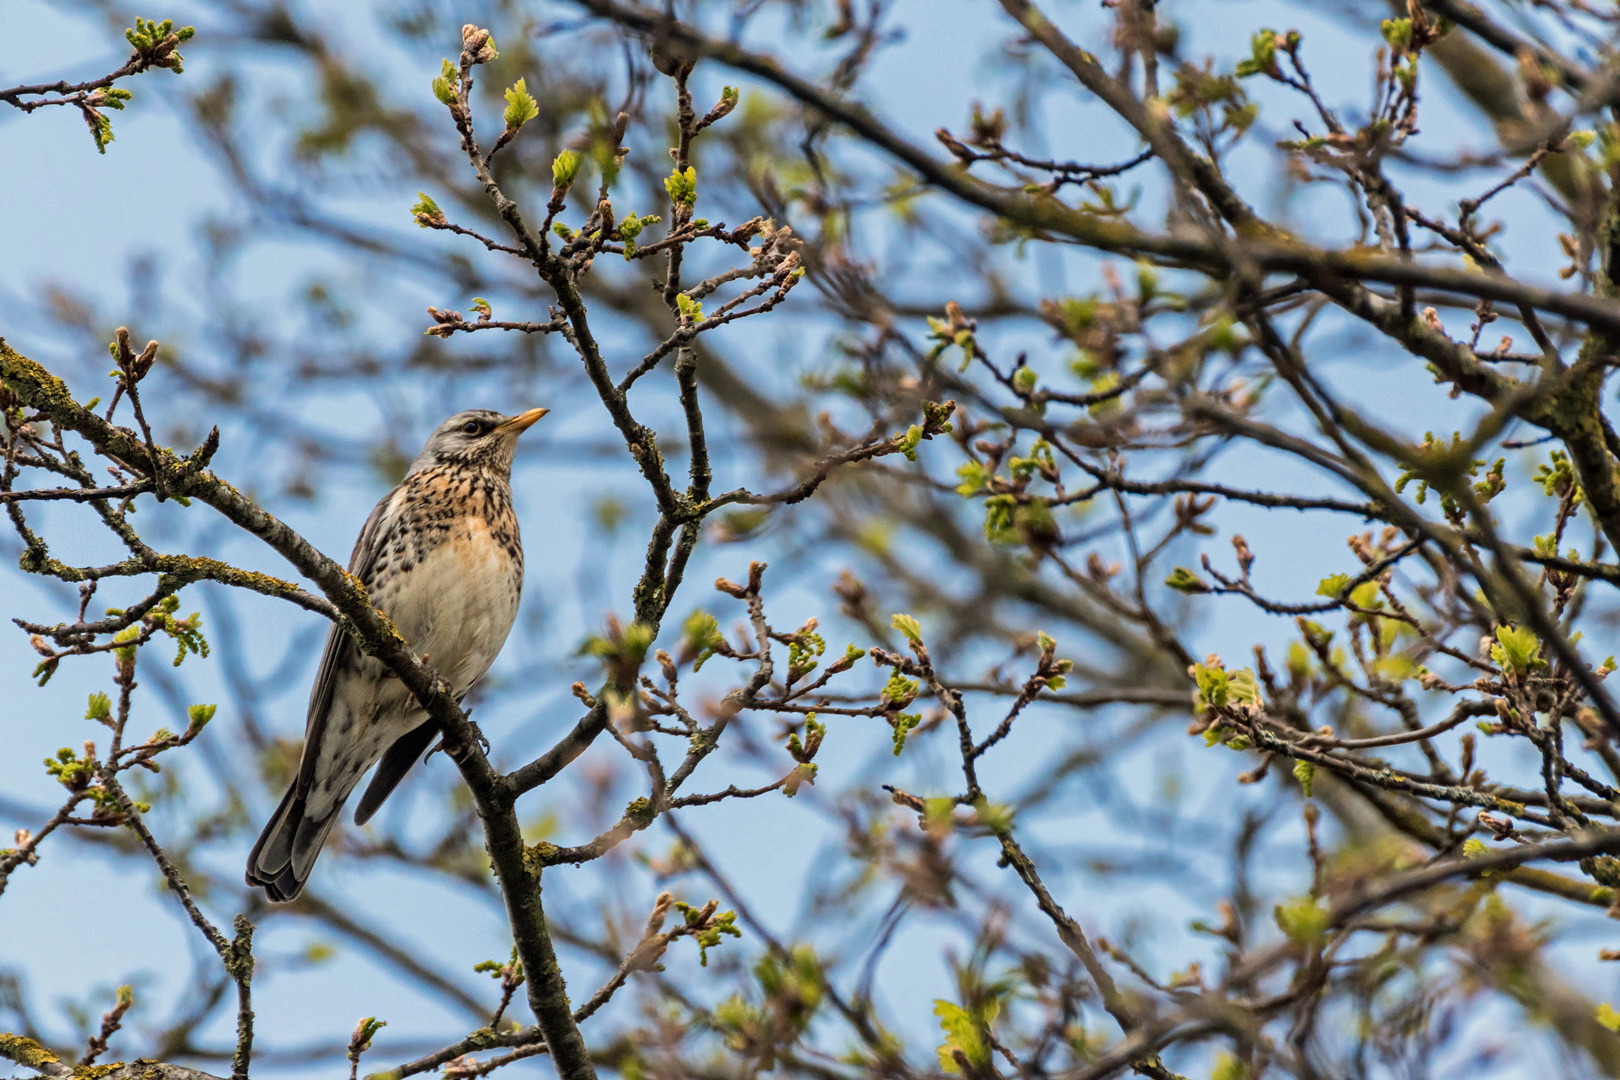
<point>442,557</point>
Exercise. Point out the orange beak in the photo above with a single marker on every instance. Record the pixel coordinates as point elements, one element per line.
<point>523,421</point>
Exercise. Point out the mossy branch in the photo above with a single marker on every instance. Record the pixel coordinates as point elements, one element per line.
<point>34,386</point>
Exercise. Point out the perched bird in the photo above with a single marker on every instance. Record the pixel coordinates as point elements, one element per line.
<point>440,554</point>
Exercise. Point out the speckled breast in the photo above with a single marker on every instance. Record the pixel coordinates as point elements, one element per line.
<point>453,593</point>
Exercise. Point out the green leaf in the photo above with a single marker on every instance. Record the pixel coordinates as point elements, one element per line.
<point>1333,586</point>
<point>1557,477</point>
<point>1105,383</point>
<point>125,639</point>
<point>962,1033</point>
<point>1305,773</point>
<point>1184,580</point>
<point>1214,686</point>
<point>1262,55</point>
<point>689,307</point>
<point>910,441</point>
<point>909,626</point>
<point>803,773</point>
<point>1147,280</point>
<point>100,707</point>
<point>997,817</point>
<point>1494,483</point>
<point>363,1033</point>
<point>682,186</point>
<point>1366,595</point>
<point>803,651</point>
<point>724,922</point>
<point>1398,32</point>
<point>1517,650</point>
<point>520,105</point>
<point>1315,633</point>
<point>426,212</point>
<point>1242,687</point>
<point>1304,920</point>
<point>565,169</point>
<point>151,38</point>
<point>700,635</point>
<point>638,638</point>
<point>974,478</point>
<point>445,83</point>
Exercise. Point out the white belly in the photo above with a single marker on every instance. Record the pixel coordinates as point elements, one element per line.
<point>457,605</point>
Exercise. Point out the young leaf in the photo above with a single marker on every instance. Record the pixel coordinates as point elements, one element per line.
<point>565,169</point>
<point>1517,650</point>
<point>682,186</point>
<point>426,212</point>
<point>1184,580</point>
<point>1305,773</point>
<point>100,707</point>
<point>909,626</point>
<point>962,1034</point>
<point>444,84</point>
<point>1304,920</point>
<point>520,105</point>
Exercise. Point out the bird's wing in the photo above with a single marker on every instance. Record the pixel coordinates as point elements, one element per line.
<point>340,652</point>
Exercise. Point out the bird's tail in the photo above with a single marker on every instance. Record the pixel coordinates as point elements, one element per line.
<point>281,861</point>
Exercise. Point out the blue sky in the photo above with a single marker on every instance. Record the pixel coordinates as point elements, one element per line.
<point>79,217</point>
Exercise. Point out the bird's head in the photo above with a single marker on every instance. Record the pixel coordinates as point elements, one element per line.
<point>477,438</point>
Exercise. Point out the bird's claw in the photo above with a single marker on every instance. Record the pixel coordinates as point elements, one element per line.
<point>443,743</point>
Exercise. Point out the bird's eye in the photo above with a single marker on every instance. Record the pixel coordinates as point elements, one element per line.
<point>472,427</point>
